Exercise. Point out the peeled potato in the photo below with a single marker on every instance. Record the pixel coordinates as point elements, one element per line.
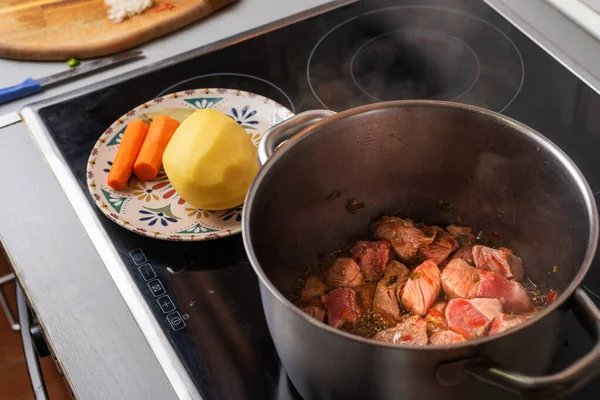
<point>210,161</point>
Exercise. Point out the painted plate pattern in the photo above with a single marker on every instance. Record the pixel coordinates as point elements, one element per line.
<point>153,208</point>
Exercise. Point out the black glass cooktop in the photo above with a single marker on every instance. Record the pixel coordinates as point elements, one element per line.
<point>205,295</point>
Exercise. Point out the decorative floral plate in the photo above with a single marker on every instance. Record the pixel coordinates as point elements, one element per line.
<point>153,208</point>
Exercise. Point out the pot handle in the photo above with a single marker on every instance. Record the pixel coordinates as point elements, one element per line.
<point>285,130</point>
<point>560,383</point>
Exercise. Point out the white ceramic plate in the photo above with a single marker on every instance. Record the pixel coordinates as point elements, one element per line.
<point>153,208</point>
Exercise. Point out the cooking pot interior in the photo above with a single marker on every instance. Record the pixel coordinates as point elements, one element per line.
<point>404,159</point>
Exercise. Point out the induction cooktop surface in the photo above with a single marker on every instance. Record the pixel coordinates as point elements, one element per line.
<point>205,295</point>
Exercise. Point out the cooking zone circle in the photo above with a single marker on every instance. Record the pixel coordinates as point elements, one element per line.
<point>231,80</point>
<point>415,52</point>
<point>378,69</point>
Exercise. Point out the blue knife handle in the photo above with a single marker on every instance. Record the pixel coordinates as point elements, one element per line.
<point>27,87</point>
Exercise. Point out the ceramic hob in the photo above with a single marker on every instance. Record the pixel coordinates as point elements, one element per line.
<point>205,295</point>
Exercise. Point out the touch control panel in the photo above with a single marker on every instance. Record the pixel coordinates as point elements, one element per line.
<point>156,289</point>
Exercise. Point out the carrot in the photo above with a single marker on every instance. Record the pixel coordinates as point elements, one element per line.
<point>130,146</point>
<point>149,160</point>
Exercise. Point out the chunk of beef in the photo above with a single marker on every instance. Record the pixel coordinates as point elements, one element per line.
<point>464,253</point>
<point>388,289</point>
<point>504,322</point>
<point>488,307</point>
<point>344,273</point>
<point>435,318</point>
<point>312,292</point>
<point>459,279</point>
<point>422,288</point>
<point>341,306</point>
<point>516,266</point>
<point>405,237</point>
<point>511,294</point>
<point>501,261</point>
<point>463,234</point>
<point>364,296</point>
<point>464,318</point>
<point>371,257</point>
<point>315,312</point>
<point>411,331</point>
<point>446,337</point>
<point>443,245</point>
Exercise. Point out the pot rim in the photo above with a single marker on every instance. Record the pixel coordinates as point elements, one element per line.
<point>542,141</point>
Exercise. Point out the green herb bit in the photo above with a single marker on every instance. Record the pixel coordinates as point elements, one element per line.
<point>72,62</point>
<point>414,275</point>
<point>446,207</point>
<point>429,232</point>
<point>476,279</point>
<point>483,238</point>
<point>333,196</point>
<point>512,315</point>
<point>393,279</point>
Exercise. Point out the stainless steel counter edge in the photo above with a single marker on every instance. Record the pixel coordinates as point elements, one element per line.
<point>164,352</point>
<point>89,327</point>
<point>568,43</point>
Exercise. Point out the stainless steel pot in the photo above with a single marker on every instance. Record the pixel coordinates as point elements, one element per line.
<point>403,157</point>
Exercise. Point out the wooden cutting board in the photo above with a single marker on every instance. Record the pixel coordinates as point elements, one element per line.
<point>61,29</point>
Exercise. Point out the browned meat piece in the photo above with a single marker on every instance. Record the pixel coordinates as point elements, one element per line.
<point>371,257</point>
<point>503,322</point>
<point>312,292</point>
<point>516,266</point>
<point>411,331</point>
<point>435,318</point>
<point>501,261</point>
<point>511,294</point>
<point>465,319</point>
<point>315,312</point>
<point>464,253</point>
<point>422,288</point>
<point>459,279</point>
<point>446,337</point>
<point>488,307</point>
<point>364,296</point>
<point>344,273</point>
<point>463,234</point>
<point>341,307</point>
<point>405,237</point>
<point>443,245</point>
<point>385,301</point>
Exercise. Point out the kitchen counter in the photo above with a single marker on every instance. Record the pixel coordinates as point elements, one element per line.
<point>80,302</point>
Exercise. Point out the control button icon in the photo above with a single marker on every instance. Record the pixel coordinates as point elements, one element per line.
<point>157,288</point>
<point>147,272</point>
<point>176,321</point>
<point>165,303</point>
<point>138,257</point>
